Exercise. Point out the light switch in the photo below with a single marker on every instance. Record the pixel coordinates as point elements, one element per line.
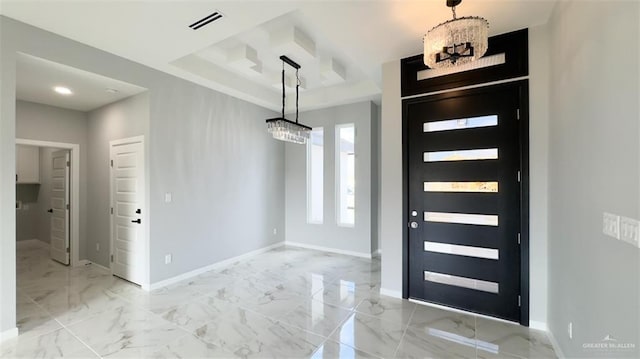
<point>167,197</point>
<point>629,229</point>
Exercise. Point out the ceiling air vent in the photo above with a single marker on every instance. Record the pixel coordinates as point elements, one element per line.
<point>206,20</point>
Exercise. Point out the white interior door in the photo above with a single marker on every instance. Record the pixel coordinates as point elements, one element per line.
<point>127,200</point>
<point>59,210</point>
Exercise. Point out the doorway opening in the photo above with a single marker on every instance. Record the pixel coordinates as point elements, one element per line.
<point>48,197</point>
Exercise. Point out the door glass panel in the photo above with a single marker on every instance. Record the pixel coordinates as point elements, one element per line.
<point>461,186</point>
<point>469,251</point>
<point>477,284</point>
<point>462,155</point>
<point>346,174</point>
<point>461,218</point>
<point>462,123</point>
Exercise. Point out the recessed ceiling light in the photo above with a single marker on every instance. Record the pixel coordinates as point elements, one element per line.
<point>112,90</point>
<point>63,90</point>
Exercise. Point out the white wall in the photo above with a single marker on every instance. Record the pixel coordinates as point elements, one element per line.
<point>358,239</point>
<point>123,119</point>
<point>210,150</point>
<point>48,123</point>
<point>594,168</point>
<point>391,172</point>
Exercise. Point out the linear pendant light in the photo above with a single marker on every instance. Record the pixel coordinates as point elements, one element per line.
<point>281,128</point>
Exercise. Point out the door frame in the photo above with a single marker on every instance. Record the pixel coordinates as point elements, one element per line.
<point>145,285</point>
<point>74,214</point>
<point>522,85</point>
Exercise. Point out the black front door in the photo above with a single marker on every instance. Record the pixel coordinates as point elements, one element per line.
<point>463,165</point>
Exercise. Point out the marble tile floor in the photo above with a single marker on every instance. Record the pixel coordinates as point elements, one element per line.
<point>285,303</point>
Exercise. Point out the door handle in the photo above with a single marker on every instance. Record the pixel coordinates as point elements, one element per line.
<point>50,210</point>
<point>413,225</point>
<point>138,221</point>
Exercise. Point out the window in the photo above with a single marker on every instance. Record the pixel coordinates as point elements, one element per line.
<point>315,176</point>
<point>345,174</point>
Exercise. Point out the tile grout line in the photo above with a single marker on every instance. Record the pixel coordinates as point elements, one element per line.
<point>78,338</point>
<point>404,333</point>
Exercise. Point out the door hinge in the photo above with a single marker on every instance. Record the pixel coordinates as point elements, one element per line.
<point>68,164</point>
<point>519,301</point>
<point>518,114</point>
<point>518,238</point>
<point>111,163</point>
<point>112,258</point>
<point>518,176</point>
<point>68,206</point>
<point>67,249</point>
<point>111,210</point>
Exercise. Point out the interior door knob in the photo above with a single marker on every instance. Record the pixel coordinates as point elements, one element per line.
<point>414,225</point>
<point>50,210</point>
<point>136,221</point>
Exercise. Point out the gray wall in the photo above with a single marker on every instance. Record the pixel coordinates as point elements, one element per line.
<point>210,150</point>
<point>375,178</point>
<point>357,239</point>
<point>391,177</point>
<point>27,218</point>
<point>594,168</point>
<point>48,123</point>
<point>123,119</point>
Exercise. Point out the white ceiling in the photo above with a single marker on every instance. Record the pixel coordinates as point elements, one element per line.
<point>36,79</point>
<point>360,35</point>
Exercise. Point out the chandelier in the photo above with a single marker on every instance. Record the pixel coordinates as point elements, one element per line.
<point>281,128</point>
<point>457,41</point>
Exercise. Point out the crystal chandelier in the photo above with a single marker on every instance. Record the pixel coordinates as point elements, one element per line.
<point>281,128</point>
<point>456,41</point>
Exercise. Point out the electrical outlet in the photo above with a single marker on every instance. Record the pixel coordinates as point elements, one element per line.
<point>629,231</point>
<point>570,330</point>
<point>611,225</point>
<point>167,259</point>
<point>97,247</point>
<point>168,197</point>
<point>275,231</point>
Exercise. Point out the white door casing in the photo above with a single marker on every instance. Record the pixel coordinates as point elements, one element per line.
<point>128,238</point>
<point>59,207</point>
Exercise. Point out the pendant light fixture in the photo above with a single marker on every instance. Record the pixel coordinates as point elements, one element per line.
<point>281,128</point>
<point>457,41</point>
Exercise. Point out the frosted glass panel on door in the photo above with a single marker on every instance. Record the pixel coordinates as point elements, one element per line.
<point>461,187</point>
<point>461,218</point>
<point>462,155</point>
<point>315,176</point>
<point>462,123</point>
<point>468,251</point>
<point>477,284</point>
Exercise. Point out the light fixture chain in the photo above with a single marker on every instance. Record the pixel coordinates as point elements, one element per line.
<point>283,92</point>
<point>297,87</point>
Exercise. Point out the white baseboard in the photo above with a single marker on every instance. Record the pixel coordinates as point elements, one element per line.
<point>193,273</point>
<point>555,344</point>
<point>534,324</point>
<point>8,334</point>
<point>391,293</point>
<point>328,249</point>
